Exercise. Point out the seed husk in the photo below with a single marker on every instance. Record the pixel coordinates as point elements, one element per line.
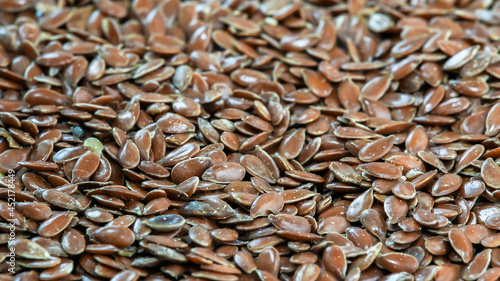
<point>349,140</point>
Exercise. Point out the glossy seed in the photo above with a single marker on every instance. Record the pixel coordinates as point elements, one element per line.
<point>447,184</point>
<point>335,261</point>
<point>358,205</point>
<point>266,204</point>
<point>376,149</point>
<point>250,140</point>
<point>381,170</point>
<point>398,262</point>
<point>166,223</point>
<point>118,236</point>
<point>490,172</point>
<point>461,244</point>
<point>85,166</point>
<point>30,250</point>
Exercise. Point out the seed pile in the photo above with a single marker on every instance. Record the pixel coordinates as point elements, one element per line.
<point>246,140</point>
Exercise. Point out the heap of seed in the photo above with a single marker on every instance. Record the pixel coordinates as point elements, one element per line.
<point>247,140</point>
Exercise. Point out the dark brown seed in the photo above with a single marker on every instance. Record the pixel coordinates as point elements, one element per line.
<point>358,205</point>
<point>61,199</point>
<point>189,168</point>
<point>333,224</point>
<point>165,223</point>
<point>245,140</point>
<point>490,173</point>
<point>73,241</point>
<point>395,208</point>
<point>345,173</point>
<point>266,204</point>
<point>404,190</point>
<point>129,155</point>
<point>126,275</point>
<point>30,250</point>
<point>55,59</point>
<point>292,144</point>
<point>478,265</point>
<point>376,87</point>
<point>256,167</point>
<point>373,222</point>
<point>446,184</point>
<point>461,244</point>
<point>56,224</point>
<point>84,167</point>
<point>245,261</point>
<point>224,172</point>
<point>461,58</point>
<point>45,97</point>
<point>398,262</point>
<point>335,261</point>
<point>376,149</point>
<point>118,236</point>
<point>381,170</point>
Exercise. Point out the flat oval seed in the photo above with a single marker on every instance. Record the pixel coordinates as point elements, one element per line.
<point>358,205</point>
<point>214,138</point>
<point>461,58</point>
<point>61,199</point>
<point>129,155</point>
<point>56,224</point>
<point>335,261</point>
<point>290,223</point>
<point>478,265</point>
<point>381,170</point>
<point>126,275</point>
<point>73,242</point>
<point>446,184</point>
<point>292,143</point>
<point>374,223</point>
<point>245,261</point>
<point>224,173</point>
<point>395,208</point>
<point>317,83</point>
<point>84,167</point>
<point>165,223</point>
<point>405,190</point>
<point>269,260</point>
<point>461,244</point>
<point>345,173</point>
<point>267,203</point>
<point>30,250</point>
<point>490,172</point>
<point>376,149</point>
<point>398,262</point>
<point>200,236</point>
<point>118,236</point>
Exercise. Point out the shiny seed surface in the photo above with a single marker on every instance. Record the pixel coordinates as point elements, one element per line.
<point>250,140</point>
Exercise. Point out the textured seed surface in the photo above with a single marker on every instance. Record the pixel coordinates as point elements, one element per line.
<point>250,140</point>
